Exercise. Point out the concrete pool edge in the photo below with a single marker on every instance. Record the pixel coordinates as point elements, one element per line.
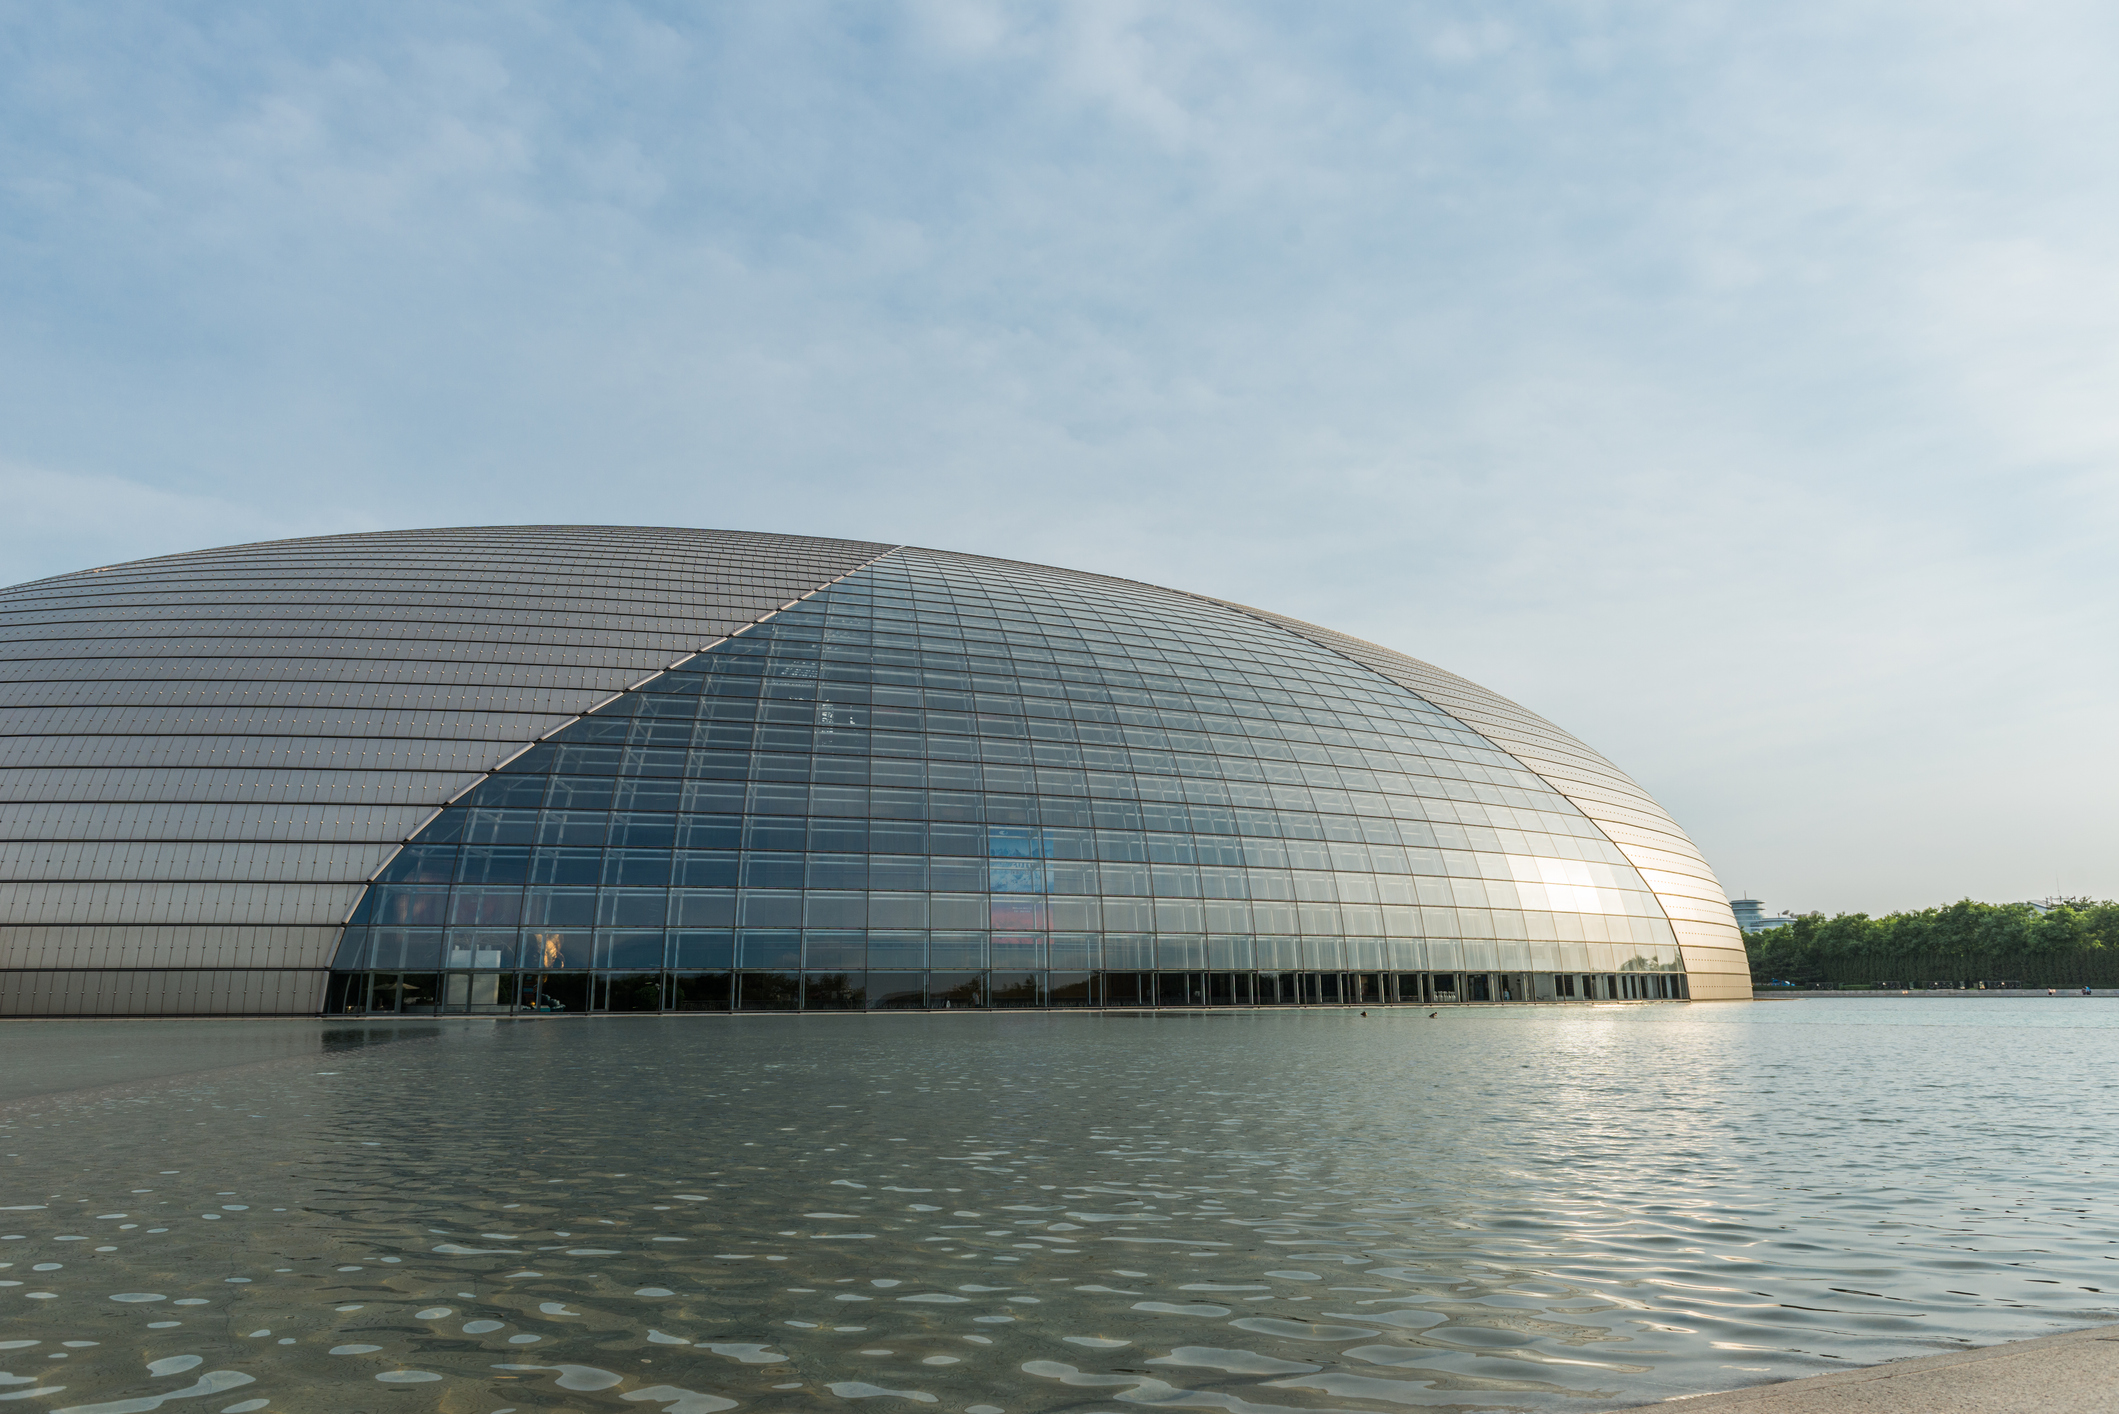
<point>2075,1372</point>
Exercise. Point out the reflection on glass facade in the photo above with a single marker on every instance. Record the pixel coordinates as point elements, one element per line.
<point>949,782</point>
<point>205,757</point>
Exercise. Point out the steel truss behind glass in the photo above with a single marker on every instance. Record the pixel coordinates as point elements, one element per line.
<point>578,992</point>
<point>949,782</point>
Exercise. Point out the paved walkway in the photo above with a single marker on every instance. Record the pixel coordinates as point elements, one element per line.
<point>2077,1373</point>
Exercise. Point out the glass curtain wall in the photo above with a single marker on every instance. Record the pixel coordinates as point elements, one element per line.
<point>948,782</point>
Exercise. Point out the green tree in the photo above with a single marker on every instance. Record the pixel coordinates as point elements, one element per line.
<point>2073,943</point>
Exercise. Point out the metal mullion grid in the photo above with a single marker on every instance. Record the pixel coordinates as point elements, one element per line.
<point>1134,775</point>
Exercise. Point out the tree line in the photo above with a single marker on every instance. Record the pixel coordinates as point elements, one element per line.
<point>2072,944</point>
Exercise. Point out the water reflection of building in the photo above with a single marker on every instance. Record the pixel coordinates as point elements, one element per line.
<point>619,769</point>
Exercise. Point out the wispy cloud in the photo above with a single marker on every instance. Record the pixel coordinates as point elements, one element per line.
<point>61,521</point>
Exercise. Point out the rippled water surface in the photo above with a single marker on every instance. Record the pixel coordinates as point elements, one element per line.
<point>1567,1208</point>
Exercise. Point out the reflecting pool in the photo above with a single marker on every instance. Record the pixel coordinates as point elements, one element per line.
<point>1505,1208</point>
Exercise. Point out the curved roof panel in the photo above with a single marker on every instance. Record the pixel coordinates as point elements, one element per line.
<point>207,758</point>
<point>1651,841</point>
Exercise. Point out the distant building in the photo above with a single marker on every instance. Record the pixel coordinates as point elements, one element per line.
<point>1751,915</point>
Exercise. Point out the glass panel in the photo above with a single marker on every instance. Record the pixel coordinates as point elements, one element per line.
<point>896,991</point>
<point>957,951</point>
<point>1071,989</point>
<point>632,991</point>
<point>480,949</point>
<point>1161,801</point>
<point>1017,989</point>
<point>634,948</point>
<point>552,949</point>
<point>700,991</point>
<point>956,990</point>
<point>556,992</point>
<point>1126,989</point>
<point>769,948</point>
<point>900,949</point>
<point>768,991</point>
<point>394,948</point>
<point>419,992</point>
<point>382,992</point>
<point>835,951</point>
<point>834,991</point>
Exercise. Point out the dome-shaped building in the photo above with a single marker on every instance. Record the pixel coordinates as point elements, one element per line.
<point>591,768</point>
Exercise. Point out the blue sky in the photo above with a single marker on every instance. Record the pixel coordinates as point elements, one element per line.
<point>1733,384</point>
